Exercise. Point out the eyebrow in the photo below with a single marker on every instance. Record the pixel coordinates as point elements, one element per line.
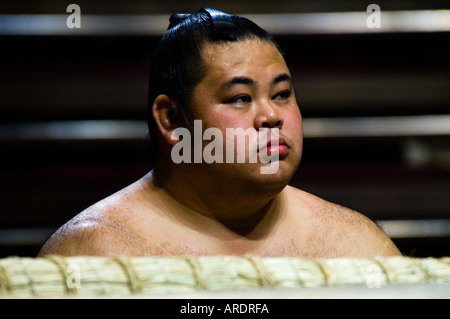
<point>238,81</point>
<point>247,81</point>
<point>281,78</point>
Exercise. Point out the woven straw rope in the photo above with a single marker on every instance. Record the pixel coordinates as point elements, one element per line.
<point>62,267</point>
<point>118,275</point>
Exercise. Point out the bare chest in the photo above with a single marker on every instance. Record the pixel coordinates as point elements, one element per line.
<point>286,242</point>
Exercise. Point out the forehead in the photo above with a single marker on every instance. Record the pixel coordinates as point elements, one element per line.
<point>252,58</point>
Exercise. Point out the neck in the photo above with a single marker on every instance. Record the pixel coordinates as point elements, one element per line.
<point>239,209</point>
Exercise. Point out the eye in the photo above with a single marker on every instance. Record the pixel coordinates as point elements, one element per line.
<point>283,95</point>
<point>240,100</point>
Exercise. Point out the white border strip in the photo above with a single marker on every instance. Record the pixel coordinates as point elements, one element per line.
<point>392,126</point>
<point>416,228</point>
<point>279,24</point>
<point>423,125</point>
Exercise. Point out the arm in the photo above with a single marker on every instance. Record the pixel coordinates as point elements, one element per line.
<point>379,242</point>
<point>92,238</point>
<point>369,239</point>
<point>88,240</point>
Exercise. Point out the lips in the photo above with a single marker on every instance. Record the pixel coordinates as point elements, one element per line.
<point>276,145</point>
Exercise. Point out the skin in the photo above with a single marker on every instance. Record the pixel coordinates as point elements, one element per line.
<point>225,208</point>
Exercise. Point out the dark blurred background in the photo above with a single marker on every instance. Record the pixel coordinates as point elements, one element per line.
<point>375,104</point>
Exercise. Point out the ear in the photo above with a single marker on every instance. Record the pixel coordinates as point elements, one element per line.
<point>166,115</point>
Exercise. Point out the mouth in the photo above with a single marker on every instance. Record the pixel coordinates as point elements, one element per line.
<point>276,146</point>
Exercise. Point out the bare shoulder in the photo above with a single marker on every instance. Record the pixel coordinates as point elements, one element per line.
<point>347,231</point>
<point>104,228</point>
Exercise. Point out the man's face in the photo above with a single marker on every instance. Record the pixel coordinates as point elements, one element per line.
<point>248,85</point>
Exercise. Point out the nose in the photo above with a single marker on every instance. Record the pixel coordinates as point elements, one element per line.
<point>268,116</point>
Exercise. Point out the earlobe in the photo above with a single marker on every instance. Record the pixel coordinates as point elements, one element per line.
<point>165,112</point>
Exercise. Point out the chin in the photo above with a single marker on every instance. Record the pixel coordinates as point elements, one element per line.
<point>248,177</point>
<point>282,176</point>
<point>274,182</point>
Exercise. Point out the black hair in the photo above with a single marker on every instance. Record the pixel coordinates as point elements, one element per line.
<point>177,65</point>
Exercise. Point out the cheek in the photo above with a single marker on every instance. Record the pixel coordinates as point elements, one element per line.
<point>223,121</point>
<point>294,124</point>
<point>239,139</point>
